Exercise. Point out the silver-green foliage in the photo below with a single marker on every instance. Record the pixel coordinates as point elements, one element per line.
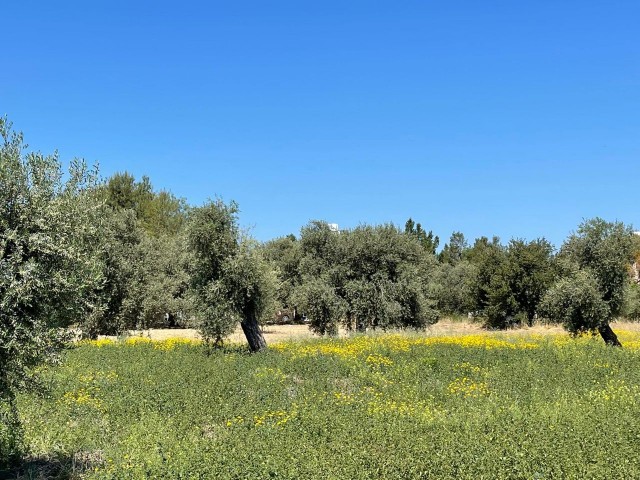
<point>368,277</point>
<point>284,254</point>
<point>229,281</point>
<point>118,299</point>
<point>144,275</point>
<point>321,304</point>
<point>632,302</point>
<point>596,261</point>
<point>576,301</point>
<point>212,236</point>
<point>47,272</point>
<point>452,287</point>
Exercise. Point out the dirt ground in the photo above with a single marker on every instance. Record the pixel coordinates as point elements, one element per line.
<point>272,333</point>
<point>278,333</point>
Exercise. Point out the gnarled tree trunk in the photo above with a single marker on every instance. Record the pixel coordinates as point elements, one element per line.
<point>251,329</point>
<point>609,336</point>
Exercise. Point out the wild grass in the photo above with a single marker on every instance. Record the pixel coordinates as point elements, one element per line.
<point>369,407</point>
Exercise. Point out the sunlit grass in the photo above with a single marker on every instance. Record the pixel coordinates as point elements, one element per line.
<point>394,405</point>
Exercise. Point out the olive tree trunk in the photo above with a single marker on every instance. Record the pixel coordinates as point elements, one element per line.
<point>251,329</point>
<point>609,336</point>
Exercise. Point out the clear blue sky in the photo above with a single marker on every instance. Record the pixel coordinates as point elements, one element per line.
<point>509,118</point>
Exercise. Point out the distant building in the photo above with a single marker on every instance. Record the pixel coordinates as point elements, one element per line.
<point>334,227</point>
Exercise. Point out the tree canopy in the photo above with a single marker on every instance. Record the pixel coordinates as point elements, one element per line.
<point>47,270</point>
<point>368,277</point>
<point>229,282</point>
<point>596,261</point>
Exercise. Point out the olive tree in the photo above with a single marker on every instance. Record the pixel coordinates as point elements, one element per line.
<point>596,262</point>
<point>119,296</point>
<point>632,302</point>
<point>144,276</point>
<point>321,304</point>
<point>229,282</point>
<point>284,254</point>
<point>165,281</point>
<point>368,277</point>
<point>451,286</point>
<point>577,302</point>
<point>47,271</point>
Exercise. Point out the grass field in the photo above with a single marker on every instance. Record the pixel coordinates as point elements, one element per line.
<point>476,406</point>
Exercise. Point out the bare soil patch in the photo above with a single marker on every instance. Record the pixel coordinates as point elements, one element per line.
<point>445,327</point>
<point>272,333</point>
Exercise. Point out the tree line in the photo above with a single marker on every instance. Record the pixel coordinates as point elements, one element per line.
<point>384,277</point>
<point>103,256</point>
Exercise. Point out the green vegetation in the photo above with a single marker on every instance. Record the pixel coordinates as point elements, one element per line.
<point>47,273</point>
<point>394,407</point>
<point>368,277</point>
<point>429,241</point>
<point>591,294</point>
<point>105,257</point>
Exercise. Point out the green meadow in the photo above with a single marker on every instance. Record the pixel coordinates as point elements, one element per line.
<point>395,406</point>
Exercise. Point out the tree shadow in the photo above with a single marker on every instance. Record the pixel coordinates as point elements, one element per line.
<point>58,466</point>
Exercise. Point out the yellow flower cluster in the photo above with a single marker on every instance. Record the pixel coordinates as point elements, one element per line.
<point>237,420</point>
<point>171,343</point>
<point>88,394</point>
<point>131,341</point>
<point>345,398</point>
<point>629,339</point>
<point>466,387</point>
<point>276,418</point>
<point>356,346</point>
<point>167,344</point>
<point>485,341</point>
<point>84,397</point>
<point>378,403</point>
<point>377,360</point>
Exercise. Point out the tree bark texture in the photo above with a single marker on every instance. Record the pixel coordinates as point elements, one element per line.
<point>252,331</point>
<point>609,336</point>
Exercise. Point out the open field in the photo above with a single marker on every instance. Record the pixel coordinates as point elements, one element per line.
<point>272,333</point>
<point>279,333</point>
<point>454,403</point>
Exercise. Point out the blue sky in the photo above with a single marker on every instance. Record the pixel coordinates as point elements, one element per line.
<point>516,119</point>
